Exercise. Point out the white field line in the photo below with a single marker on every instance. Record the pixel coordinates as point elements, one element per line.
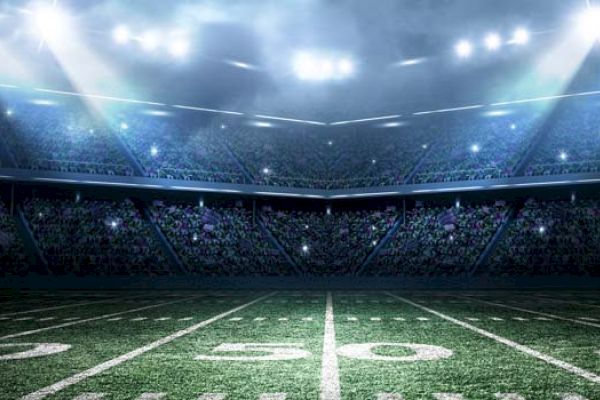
<point>83,321</point>
<point>105,366</point>
<point>86,303</point>
<point>574,303</point>
<point>330,374</point>
<point>543,314</point>
<point>590,376</point>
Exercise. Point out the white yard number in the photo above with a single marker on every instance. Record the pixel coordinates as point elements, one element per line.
<point>292,351</point>
<point>274,352</point>
<point>422,352</point>
<point>38,350</point>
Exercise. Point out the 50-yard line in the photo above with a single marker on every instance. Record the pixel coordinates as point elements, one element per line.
<point>330,375</point>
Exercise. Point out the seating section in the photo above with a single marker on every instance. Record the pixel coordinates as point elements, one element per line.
<point>219,241</point>
<point>439,241</point>
<point>62,138</point>
<point>470,149</point>
<point>551,238</point>
<point>13,260</point>
<point>174,150</point>
<point>572,144</point>
<point>95,237</point>
<point>328,245</point>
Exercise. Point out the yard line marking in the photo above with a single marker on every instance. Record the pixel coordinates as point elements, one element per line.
<point>162,319</point>
<point>589,319</point>
<point>24,319</point>
<point>185,319</point>
<point>472,319</point>
<point>273,396</point>
<point>90,396</point>
<point>236,319</point>
<point>152,396</point>
<point>399,319</point>
<point>83,321</point>
<point>46,319</point>
<point>330,378</point>
<point>86,303</point>
<point>260,319</point>
<point>422,319</point>
<point>105,366</point>
<point>571,396</point>
<point>544,315</point>
<point>138,319</point>
<point>375,319</point>
<point>572,303</point>
<point>389,396</point>
<point>115,319</point>
<point>496,319</point>
<point>509,396</point>
<point>4,318</point>
<point>590,376</point>
<point>520,319</point>
<point>308,319</point>
<point>448,396</point>
<point>352,319</point>
<point>282,319</point>
<point>212,396</point>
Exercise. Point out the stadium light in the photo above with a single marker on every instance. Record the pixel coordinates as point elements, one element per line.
<point>542,230</point>
<point>493,41</point>
<point>589,23</point>
<point>266,171</point>
<point>475,148</point>
<point>121,35</point>
<point>150,41</point>
<point>330,143</point>
<point>305,248</point>
<point>313,67</point>
<point>153,151</point>
<point>374,243</point>
<point>50,23</point>
<point>114,224</point>
<point>424,146</point>
<point>179,48</point>
<point>513,127</point>
<point>521,36</point>
<point>464,49</point>
<point>123,126</point>
<point>9,112</point>
<point>373,161</point>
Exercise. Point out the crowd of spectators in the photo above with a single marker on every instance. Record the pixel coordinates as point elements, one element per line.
<point>86,237</point>
<point>62,138</point>
<point>572,143</point>
<point>170,149</point>
<point>329,243</point>
<point>13,260</point>
<point>551,238</point>
<point>439,241</point>
<point>219,241</point>
<point>474,149</point>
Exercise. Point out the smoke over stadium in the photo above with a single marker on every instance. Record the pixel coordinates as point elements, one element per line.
<point>313,199</point>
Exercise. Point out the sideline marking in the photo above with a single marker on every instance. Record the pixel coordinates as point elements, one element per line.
<point>330,378</point>
<point>66,324</point>
<point>105,366</point>
<point>87,303</point>
<point>542,314</point>
<point>590,376</point>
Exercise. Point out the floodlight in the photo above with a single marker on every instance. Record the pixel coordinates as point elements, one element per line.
<point>124,126</point>
<point>266,171</point>
<point>150,41</point>
<point>464,49</point>
<point>9,113</point>
<point>589,23</point>
<point>521,36</point>
<point>345,67</point>
<point>493,41</point>
<point>542,230</point>
<point>153,151</point>
<point>475,148</point>
<point>50,22</point>
<point>305,248</point>
<point>121,35</point>
<point>563,156</point>
<point>179,48</point>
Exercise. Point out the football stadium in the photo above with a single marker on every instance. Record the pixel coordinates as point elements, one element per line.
<point>300,200</point>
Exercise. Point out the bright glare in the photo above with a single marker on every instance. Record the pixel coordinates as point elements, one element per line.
<point>475,148</point>
<point>464,49</point>
<point>179,48</point>
<point>121,35</point>
<point>50,23</point>
<point>493,41</point>
<point>124,126</point>
<point>589,23</point>
<point>521,36</point>
<point>266,171</point>
<point>153,151</point>
<point>150,41</point>
<point>9,113</point>
<point>305,249</point>
<point>563,156</point>
<point>313,67</point>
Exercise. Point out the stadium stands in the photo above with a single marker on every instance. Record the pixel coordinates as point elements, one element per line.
<point>62,138</point>
<point>219,241</point>
<point>439,241</point>
<point>329,245</point>
<point>12,251</point>
<point>92,237</point>
<point>551,238</point>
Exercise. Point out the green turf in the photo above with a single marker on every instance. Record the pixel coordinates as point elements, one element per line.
<point>478,368</point>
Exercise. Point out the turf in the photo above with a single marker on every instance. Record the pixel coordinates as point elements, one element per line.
<point>479,367</point>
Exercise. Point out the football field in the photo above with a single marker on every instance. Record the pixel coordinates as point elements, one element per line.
<point>213,345</point>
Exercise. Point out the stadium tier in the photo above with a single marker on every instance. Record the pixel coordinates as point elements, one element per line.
<point>438,149</point>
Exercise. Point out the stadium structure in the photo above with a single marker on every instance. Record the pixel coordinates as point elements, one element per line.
<point>310,199</point>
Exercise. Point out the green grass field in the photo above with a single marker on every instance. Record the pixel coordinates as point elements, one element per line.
<point>300,345</point>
